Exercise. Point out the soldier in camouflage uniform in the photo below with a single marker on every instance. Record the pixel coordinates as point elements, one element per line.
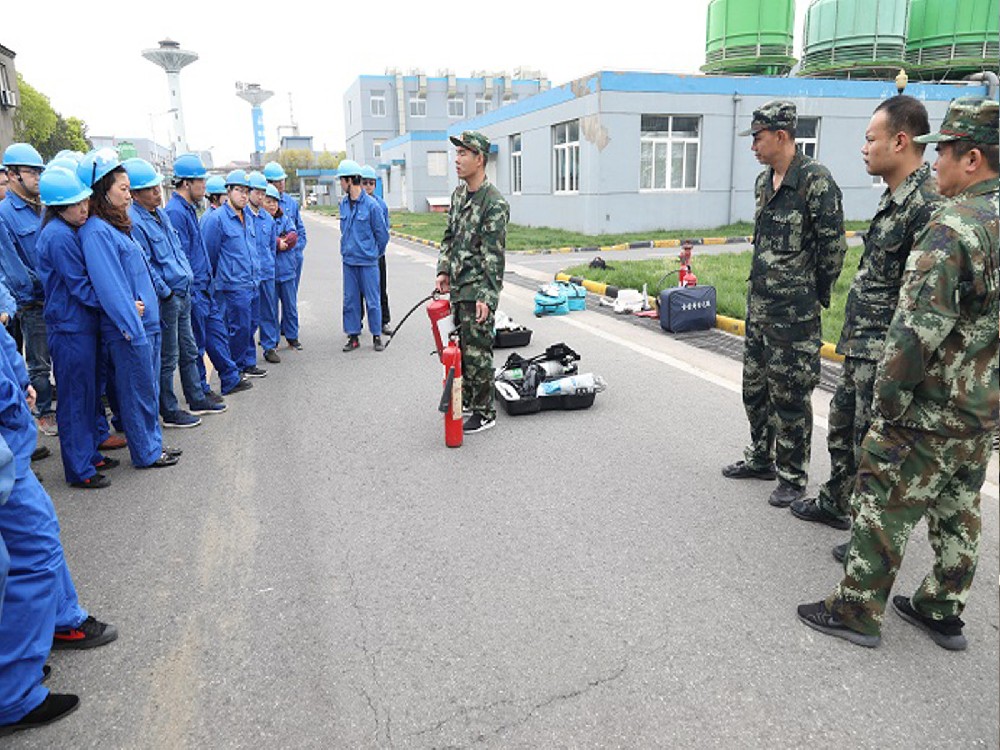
<point>470,267</point>
<point>936,404</point>
<point>904,210</point>
<point>798,251</point>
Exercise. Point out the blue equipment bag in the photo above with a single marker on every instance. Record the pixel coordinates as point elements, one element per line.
<point>687,308</point>
<point>576,295</point>
<point>549,304</point>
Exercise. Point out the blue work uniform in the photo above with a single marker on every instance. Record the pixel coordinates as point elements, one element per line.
<point>73,321</point>
<point>286,286</point>
<point>363,238</point>
<point>267,238</point>
<point>230,242</point>
<point>40,596</point>
<point>290,207</point>
<point>384,299</point>
<point>173,280</point>
<point>23,221</point>
<point>207,324</point>
<point>120,275</point>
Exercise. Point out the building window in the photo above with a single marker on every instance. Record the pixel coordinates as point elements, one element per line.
<point>418,106</point>
<point>807,136</point>
<point>668,152</point>
<point>482,106</point>
<point>515,164</point>
<point>378,104</point>
<point>566,156</point>
<point>377,148</point>
<point>437,163</point>
<point>877,181</point>
<point>456,106</point>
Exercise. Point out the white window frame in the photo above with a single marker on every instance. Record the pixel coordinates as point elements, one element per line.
<point>377,104</point>
<point>516,160</point>
<point>457,113</point>
<point>377,148</point>
<point>568,153</point>
<point>666,143</point>
<point>483,105</point>
<point>441,170</point>
<point>420,110</point>
<point>808,145</point>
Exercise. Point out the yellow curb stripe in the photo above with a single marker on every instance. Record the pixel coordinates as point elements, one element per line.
<point>666,243</point>
<point>731,325</point>
<point>713,241</point>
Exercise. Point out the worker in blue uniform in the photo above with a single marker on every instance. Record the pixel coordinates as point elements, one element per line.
<point>369,180</point>
<point>130,315</point>
<point>215,194</point>
<point>41,610</point>
<point>230,239</point>
<point>363,237</point>
<point>267,236</point>
<point>285,264</point>
<point>255,213</point>
<point>275,175</point>
<point>210,335</point>
<point>21,212</point>
<point>72,319</point>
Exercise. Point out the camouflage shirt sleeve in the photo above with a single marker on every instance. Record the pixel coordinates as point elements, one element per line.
<point>827,211</point>
<point>928,310</point>
<point>494,239</point>
<point>444,255</point>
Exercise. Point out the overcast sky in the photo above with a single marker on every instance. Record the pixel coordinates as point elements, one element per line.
<point>90,64</point>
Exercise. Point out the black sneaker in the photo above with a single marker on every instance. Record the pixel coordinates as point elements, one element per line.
<point>96,482</point>
<point>91,633</point>
<point>808,510</point>
<point>352,344</point>
<point>55,706</point>
<point>946,633</point>
<point>243,385</point>
<point>295,344</point>
<point>207,407</point>
<point>478,423</point>
<point>214,398</point>
<point>42,451</point>
<point>743,470</point>
<point>785,494</point>
<point>173,452</point>
<point>377,344</point>
<point>840,552</point>
<point>165,460</point>
<point>255,372</point>
<point>818,617</point>
<point>272,356</point>
<point>386,330</point>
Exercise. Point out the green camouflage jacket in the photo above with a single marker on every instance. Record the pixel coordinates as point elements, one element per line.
<point>798,244</point>
<point>939,369</point>
<point>472,251</point>
<point>874,293</point>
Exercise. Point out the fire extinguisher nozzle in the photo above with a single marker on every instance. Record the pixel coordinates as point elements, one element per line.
<point>446,395</point>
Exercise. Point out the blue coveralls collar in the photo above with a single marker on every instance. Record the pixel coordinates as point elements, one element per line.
<point>20,203</point>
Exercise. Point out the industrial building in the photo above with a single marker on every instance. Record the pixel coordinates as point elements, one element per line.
<point>632,151</point>
<point>9,97</point>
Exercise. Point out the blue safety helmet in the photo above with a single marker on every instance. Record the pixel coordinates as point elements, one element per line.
<point>142,174</point>
<point>274,171</point>
<point>237,177</point>
<point>349,168</point>
<point>22,155</point>
<point>60,186</point>
<point>257,181</point>
<point>272,192</point>
<point>96,164</point>
<point>189,167</point>
<point>68,153</point>
<point>65,162</point>
<point>368,173</point>
<point>215,185</point>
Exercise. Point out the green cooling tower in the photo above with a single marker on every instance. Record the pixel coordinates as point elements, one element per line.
<point>952,38</point>
<point>749,37</point>
<point>854,38</point>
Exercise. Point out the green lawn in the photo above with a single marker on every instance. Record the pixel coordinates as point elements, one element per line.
<point>727,273</point>
<point>431,227</point>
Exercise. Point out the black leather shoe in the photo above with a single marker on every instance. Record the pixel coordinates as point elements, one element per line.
<point>96,482</point>
<point>818,617</point>
<point>243,385</point>
<point>42,451</point>
<point>377,344</point>
<point>272,356</point>
<point>54,707</point>
<point>808,510</point>
<point>162,462</point>
<point>784,495</point>
<point>742,470</point>
<point>295,344</point>
<point>840,552</point>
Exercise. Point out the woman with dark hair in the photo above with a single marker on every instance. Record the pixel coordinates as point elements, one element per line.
<point>130,317</point>
<point>72,320</point>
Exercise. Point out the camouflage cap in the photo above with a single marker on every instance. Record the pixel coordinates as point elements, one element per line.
<point>472,140</point>
<point>777,114</point>
<point>969,118</point>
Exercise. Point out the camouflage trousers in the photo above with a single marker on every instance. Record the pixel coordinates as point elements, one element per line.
<point>780,371</point>
<point>850,416</point>
<point>477,359</point>
<point>905,475</point>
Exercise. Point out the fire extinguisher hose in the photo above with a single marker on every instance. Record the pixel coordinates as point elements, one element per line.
<point>392,337</point>
<point>446,394</point>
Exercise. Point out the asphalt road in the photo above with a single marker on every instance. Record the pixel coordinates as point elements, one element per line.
<point>319,571</point>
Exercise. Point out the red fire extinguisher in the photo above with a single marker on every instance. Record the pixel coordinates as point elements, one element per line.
<point>685,277</point>
<point>439,311</point>
<point>451,398</point>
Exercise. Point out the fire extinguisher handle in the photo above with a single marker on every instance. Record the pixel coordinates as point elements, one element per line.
<point>446,395</point>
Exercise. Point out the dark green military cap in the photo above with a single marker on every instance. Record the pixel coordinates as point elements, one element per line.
<point>777,114</point>
<point>969,118</point>
<point>474,141</point>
